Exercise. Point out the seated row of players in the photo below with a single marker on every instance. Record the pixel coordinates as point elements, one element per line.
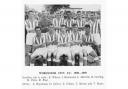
<point>65,56</point>
<point>61,52</point>
<point>66,36</point>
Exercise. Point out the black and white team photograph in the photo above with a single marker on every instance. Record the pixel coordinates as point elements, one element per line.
<point>62,35</point>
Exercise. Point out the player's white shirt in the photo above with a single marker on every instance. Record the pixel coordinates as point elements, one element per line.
<point>30,27</point>
<point>40,51</point>
<point>96,38</point>
<point>29,38</point>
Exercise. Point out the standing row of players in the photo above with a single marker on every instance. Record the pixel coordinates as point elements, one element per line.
<point>80,20</point>
<point>59,19</point>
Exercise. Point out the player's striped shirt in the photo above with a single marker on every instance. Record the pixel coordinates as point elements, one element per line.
<point>37,41</point>
<point>74,21</point>
<point>69,38</point>
<point>61,39</point>
<point>96,27</point>
<point>62,21</point>
<point>91,25</point>
<point>75,36</point>
<point>44,35</point>
<point>79,22</point>
<point>50,37</point>
<point>68,23</point>
<point>88,38</point>
<point>56,22</point>
<point>30,25</point>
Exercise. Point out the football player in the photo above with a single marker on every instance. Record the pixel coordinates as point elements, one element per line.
<point>30,25</point>
<point>77,55</point>
<point>89,54</point>
<point>51,49</point>
<point>39,56</point>
<point>64,56</point>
